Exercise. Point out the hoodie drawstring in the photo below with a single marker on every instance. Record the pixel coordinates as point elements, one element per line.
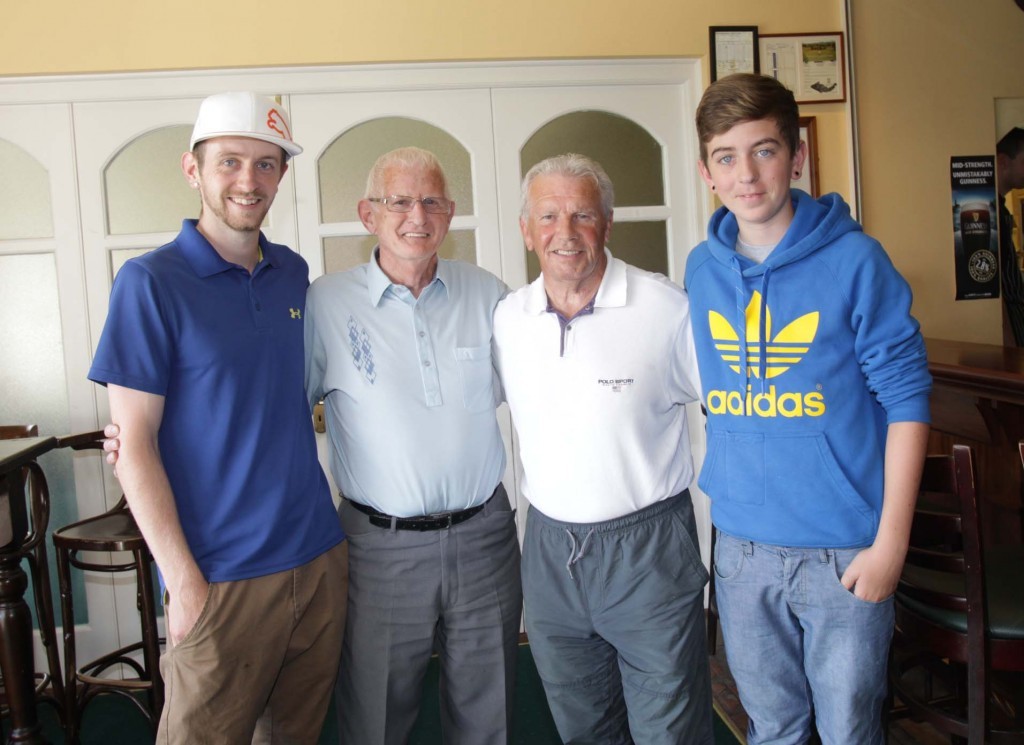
<point>741,326</point>
<point>762,329</point>
<point>762,356</point>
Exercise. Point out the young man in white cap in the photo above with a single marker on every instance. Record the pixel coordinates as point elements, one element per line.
<point>202,357</point>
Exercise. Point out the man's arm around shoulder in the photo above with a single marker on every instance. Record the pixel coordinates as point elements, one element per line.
<point>145,483</point>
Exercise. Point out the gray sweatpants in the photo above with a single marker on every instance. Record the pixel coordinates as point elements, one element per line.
<point>615,616</point>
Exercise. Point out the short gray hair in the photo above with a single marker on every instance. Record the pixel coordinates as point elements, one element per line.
<point>403,158</point>
<point>571,165</point>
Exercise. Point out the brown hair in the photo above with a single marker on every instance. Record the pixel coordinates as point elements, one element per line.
<point>745,97</point>
<point>1011,143</point>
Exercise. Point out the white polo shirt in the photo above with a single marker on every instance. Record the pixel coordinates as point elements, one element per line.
<point>599,406</point>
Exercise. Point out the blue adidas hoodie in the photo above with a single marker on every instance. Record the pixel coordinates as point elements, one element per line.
<point>804,361</point>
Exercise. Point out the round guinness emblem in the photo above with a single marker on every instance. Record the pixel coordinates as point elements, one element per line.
<point>982,266</point>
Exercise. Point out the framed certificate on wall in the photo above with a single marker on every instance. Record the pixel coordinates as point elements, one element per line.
<point>813,66</point>
<point>733,49</point>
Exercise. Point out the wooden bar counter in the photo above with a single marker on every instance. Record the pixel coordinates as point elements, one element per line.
<point>978,400</point>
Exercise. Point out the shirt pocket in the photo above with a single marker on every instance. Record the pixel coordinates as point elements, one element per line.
<point>477,377</point>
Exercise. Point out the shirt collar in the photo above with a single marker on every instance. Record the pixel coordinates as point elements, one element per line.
<point>610,294</point>
<point>377,282</point>
<point>203,257</point>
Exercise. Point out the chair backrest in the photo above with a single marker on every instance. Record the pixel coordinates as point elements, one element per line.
<point>90,441</point>
<point>14,431</point>
<point>946,538</point>
<point>944,570</point>
<point>35,486</point>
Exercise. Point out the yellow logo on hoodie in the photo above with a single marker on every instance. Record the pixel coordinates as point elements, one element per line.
<point>781,352</point>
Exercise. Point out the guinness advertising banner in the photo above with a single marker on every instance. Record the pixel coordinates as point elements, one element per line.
<point>975,226</point>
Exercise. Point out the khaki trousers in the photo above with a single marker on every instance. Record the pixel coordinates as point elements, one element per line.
<point>261,661</point>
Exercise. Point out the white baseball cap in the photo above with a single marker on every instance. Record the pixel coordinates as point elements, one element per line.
<point>244,115</point>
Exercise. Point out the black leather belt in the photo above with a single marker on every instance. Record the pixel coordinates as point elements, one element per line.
<point>437,521</point>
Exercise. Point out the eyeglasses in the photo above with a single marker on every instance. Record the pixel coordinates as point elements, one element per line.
<point>398,203</point>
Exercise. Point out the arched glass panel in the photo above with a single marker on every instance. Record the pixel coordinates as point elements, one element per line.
<point>628,153</point>
<point>346,252</point>
<point>144,187</point>
<point>25,206</point>
<point>345,164</point>
<point>632,159</point>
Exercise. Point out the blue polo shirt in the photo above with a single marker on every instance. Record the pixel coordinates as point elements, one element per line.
<point>408,386</point>
<point>224,349</point>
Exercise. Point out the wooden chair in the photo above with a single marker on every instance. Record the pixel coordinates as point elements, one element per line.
<point>959,613</point>
<point>49,685</point>
<point>113,531</point>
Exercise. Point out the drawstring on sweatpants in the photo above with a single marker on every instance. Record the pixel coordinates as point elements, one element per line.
<point>576,553</point>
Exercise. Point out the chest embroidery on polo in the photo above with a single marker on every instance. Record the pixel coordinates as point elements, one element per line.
<point>615,385</point>
<point>362,350</point>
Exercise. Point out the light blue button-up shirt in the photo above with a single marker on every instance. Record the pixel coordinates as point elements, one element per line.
<point>408,386</point>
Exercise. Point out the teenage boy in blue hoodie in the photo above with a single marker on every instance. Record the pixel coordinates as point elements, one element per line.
<point>816,386</point>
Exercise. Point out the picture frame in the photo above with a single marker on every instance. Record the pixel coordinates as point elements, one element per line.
<point>813,66</point>
<point>733,49</point>
<point>808,180</point>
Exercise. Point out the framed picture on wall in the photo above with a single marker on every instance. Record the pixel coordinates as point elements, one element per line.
<point>808,180</point>
<point>813,66</point>
<point>733,49</point>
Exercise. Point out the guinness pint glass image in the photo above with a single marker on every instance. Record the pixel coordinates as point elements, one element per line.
<point>977,265</point>
<point>975,226</point>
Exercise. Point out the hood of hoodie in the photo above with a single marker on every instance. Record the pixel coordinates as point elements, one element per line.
<point>816,223</point>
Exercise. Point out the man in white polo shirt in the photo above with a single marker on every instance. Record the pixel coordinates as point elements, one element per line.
<point>597,362</point>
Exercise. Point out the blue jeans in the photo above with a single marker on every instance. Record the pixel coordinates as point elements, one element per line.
<point>801,646</point>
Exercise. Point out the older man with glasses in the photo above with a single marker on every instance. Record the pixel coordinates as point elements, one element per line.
<point>399,349</point>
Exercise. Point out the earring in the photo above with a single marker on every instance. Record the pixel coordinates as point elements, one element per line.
<point>796,174</point>
<point>712,187</point>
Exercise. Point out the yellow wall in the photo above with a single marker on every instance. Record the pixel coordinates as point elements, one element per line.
<point>68,36</point>
<point>928,71</point>
<point>61,36</point>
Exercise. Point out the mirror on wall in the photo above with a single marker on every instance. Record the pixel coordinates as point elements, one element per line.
<point>1010,190</point>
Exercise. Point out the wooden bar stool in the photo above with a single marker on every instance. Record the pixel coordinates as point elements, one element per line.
<point>24,491</point>
<point>112,532</point>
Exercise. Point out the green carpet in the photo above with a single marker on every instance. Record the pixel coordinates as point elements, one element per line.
<point>110,720</point>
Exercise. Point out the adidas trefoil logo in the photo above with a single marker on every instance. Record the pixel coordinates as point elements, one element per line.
<point>782,351</point>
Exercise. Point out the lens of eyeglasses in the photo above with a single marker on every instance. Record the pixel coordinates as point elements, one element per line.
<point>435,205</point>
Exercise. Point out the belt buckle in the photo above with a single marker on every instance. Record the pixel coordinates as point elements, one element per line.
<point>445,518</point>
